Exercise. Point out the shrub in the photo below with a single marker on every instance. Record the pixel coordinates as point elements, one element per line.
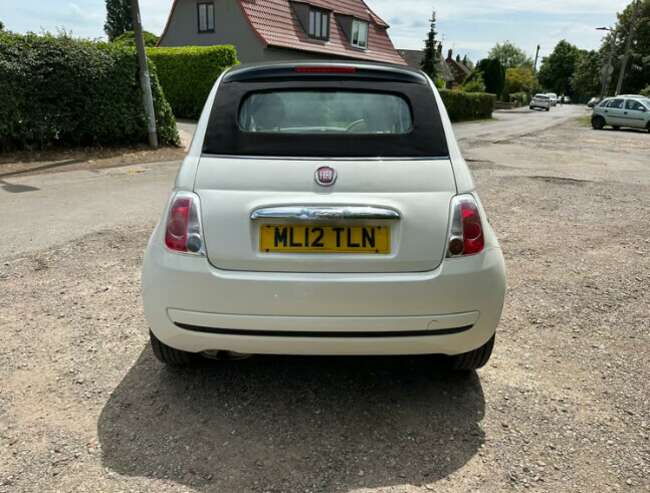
<point>440,83</point>
<point>521,98</point>
<point>474,84</point>
<point>646,91</point>
<point>61,91</point>
<point>468,106</point>
<point>128,39</point>
<point>187,74</point>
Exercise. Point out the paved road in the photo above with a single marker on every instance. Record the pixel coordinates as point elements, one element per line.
<point>44,210</point>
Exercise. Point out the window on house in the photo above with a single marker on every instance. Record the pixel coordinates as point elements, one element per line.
<point>319,24</point>
<point>206,17</point>
<point>359,34</point>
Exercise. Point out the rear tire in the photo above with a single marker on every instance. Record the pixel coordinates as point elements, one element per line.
<point>648,127</point>
<point>616,127</point>
<point>474,359</point>
<point>598,122</point>
<point>548,109</point>
<point>170,356</point>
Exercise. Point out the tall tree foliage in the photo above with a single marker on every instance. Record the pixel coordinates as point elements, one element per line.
<point>637,75</point>
<point>509,55</point>
<point>2,26</point>
<point>586,79</point>
<point>118,18</point>
<point>558,68</point>
<point>520,79</point>
<point>494,75</point>
<point>430,59</point>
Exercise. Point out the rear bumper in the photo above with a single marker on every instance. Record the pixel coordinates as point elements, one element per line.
<point>192,306</point>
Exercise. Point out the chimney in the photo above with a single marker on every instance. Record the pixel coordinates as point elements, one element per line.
<point>450,54</point>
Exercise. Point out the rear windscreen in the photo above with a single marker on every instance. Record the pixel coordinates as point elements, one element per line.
<point>315,112</point>
<point>325,118</point>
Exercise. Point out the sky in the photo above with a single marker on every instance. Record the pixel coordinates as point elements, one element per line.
<point>469,27</point>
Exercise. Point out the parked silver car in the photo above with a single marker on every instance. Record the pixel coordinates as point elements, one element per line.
<point>622,111</point>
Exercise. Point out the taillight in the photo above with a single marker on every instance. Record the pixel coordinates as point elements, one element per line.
<point>183,232</point>
<point>466,231</point>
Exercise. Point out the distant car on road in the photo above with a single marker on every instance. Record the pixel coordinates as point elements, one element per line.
<point>622,111</point>
<point>593,101</point>
<point>540,101</point>
<point>335,216</point>
<point>553,98</point>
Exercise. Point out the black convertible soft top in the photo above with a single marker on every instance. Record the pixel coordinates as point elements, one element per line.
<point>225,137</point>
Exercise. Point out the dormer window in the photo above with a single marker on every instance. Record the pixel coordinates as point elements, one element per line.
<point>359,34</point>
<point>319,24</point>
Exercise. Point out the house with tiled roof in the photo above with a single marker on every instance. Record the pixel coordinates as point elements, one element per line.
<point>274,30</point>
<point>453,71</point>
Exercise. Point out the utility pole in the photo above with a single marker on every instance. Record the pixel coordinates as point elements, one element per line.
<point>536,58</point>
<point>145,81</point>
<point>628,46</point>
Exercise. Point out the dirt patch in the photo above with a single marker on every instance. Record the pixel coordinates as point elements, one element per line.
<point>25,163</point>
<point>562,406</point>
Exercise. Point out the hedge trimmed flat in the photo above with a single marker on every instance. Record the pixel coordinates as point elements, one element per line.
<point>324,209</point>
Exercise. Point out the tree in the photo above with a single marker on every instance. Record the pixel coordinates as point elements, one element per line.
<point>586,81</point>
<point>467,62</point>
<point>520,79</point>
<point>118,18</point>
<point>430,60</point>
<point>493,74</point>
<point>2,26</point>
<point>637,75</point>
<point>510,55</point>
<point>128,39</point>
<point>558,68</point>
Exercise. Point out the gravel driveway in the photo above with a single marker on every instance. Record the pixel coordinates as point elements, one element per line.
<point>563,406</point>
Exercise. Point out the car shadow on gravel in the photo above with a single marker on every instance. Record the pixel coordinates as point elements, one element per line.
<point>292,423</point>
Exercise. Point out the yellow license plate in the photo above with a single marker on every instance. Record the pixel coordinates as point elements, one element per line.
<point>318,238</point>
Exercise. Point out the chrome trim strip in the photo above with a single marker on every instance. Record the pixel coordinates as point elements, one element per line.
<point>325,213</point>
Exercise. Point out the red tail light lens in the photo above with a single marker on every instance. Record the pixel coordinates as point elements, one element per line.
<point>183,232</point>
<point>466,232</point>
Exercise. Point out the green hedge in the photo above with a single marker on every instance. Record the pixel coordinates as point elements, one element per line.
<point>188,73</point>
<point>468,105</point>
<point>60,91</point>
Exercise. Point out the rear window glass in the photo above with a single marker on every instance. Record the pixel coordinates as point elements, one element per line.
<point>370,113</point>
<point>315,112</point>
<point>541,96</point>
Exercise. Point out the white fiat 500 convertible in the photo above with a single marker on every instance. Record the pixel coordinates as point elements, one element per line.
<point>324,209</point>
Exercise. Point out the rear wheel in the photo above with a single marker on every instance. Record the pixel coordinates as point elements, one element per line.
<point>474,359</point>
<point>648,127</point>
<point>615,127</point>
<point>170,356</point>
<point>598,122</point>
<point>548,109</point>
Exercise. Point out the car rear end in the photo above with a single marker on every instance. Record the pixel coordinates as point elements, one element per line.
<point>540,101</point>
<point>319,212</point>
